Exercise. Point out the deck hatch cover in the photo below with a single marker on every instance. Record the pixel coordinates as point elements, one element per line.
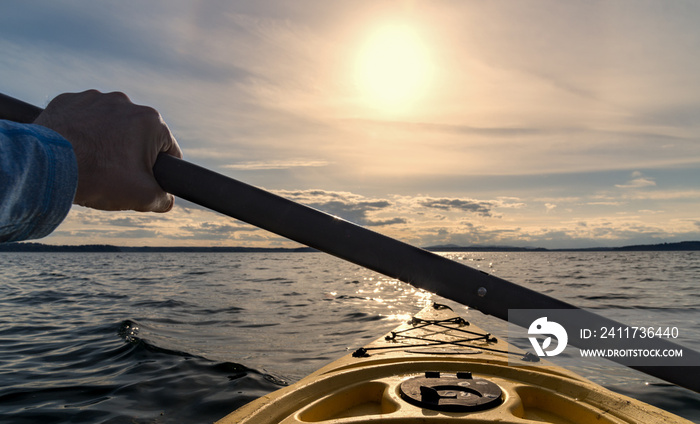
<point>451,392</point>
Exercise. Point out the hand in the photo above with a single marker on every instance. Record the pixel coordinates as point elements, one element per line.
<point>116,144</point>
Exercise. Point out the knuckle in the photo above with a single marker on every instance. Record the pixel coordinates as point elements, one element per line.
<point>87,96</point>
<point>149,112</point>
<point>91,92</point>
<point>118,96</point>
<point>145,115</point>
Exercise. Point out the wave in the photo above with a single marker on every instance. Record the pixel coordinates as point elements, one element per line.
<point>105,379</point>
<point>170,303</point>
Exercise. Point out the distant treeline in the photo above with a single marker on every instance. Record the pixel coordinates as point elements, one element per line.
<point>40,247</point>
<point>683,245</point>
<point>680,246</point>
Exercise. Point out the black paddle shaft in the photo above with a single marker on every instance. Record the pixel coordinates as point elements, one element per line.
<point>338,237</point>
<point>418,267</point>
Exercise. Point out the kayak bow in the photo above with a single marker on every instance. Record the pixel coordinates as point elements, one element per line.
<point>440,369</point>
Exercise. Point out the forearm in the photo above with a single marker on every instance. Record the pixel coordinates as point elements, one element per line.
<point>38,180</point>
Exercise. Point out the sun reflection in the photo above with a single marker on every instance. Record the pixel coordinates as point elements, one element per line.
<point>389,298</point>
<point>399,317</point>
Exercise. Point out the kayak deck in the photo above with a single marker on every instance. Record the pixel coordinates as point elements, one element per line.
<point>438,368</point>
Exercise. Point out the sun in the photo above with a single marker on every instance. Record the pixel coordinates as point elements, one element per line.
<point>393,68</point>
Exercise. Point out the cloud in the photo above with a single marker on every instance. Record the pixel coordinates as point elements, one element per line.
<point>91,236</point>
<point>468,233</point>
<point>207,231</point>
<point>637,181</point>
<point>466,205</point>
<point>508,203</point>
<point>318,196</point>
<point>129,221</point>
<point>134,234</point>
<point>354,212</point>
<point>193,226</point>
<point>432,127</point>
<point>352,207</point>
<point>278,164</point>
<point>664,195</point>
<point>383,222</point>
<point>606,203</point>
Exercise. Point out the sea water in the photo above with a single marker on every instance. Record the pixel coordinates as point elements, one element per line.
<point>189,337</point>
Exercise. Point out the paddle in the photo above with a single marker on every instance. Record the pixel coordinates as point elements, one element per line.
<point>420,268</point>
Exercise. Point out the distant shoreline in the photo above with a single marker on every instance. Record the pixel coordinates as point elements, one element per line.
<point>40,247</point>
<point>660,247</point>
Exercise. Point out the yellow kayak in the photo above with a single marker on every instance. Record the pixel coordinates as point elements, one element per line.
<point>439,368</point>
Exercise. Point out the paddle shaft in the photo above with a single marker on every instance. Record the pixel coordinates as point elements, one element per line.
<point>418,267</point>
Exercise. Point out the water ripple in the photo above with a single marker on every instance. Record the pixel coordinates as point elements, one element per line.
<point>186,338</point>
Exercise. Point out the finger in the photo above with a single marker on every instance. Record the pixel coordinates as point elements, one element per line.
<point>152,198</point>
<point>170,146</point>
<point>174,148</point>
<point>165,141</point>
<point>163,204</point>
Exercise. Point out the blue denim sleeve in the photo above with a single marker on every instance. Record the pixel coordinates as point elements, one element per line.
<point>38,179</point>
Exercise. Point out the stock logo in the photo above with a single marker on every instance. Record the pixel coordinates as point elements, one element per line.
<point>541,326</point>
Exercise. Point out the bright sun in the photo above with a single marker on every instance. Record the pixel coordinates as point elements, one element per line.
<point>393,69</point>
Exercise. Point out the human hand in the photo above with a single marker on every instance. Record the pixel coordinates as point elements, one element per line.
<point>116,144</point>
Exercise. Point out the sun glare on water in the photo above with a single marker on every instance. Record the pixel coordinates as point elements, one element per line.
<point>393,69</point>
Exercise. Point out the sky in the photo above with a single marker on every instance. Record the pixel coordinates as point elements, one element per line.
<point>531,123</point>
